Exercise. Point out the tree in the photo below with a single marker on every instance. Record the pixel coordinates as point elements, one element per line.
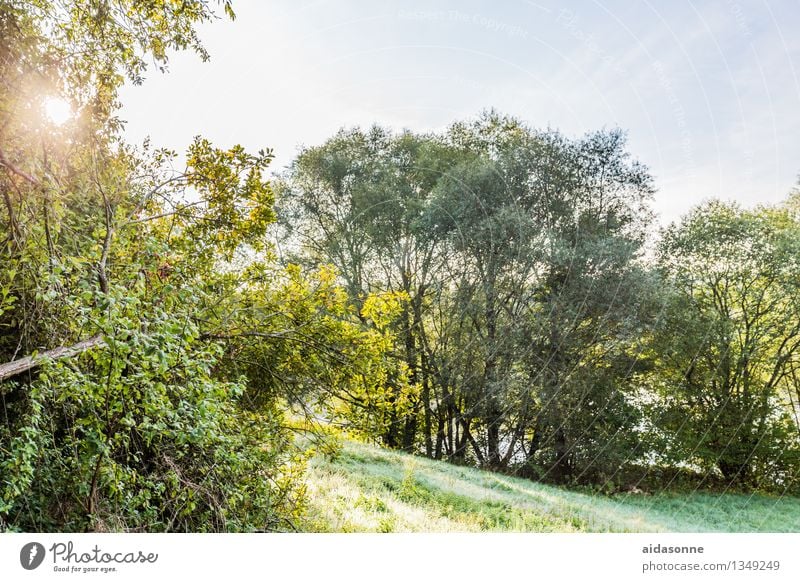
<point>730,340</point>
<point>591,305</point>
<point>483,210</point>
<point>357,202</point>
<point>131,428</point>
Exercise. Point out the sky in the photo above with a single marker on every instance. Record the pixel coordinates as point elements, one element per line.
<point>708,92</point>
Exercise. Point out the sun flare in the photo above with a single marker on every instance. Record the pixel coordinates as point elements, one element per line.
<point>57,110</point>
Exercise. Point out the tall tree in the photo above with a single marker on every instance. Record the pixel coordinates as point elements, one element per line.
<point>357,202</point>
<point>591,305</point>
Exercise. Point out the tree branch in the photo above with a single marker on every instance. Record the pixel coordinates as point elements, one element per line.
<point>16,367</point>
<point>4,161</point>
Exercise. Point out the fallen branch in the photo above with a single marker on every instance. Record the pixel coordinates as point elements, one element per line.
<point>24,364</point>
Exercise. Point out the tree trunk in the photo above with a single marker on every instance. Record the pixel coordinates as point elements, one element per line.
<point>440,435</point>
<point>493,414</point>
<point>562,470</point>
<point>410,432</point>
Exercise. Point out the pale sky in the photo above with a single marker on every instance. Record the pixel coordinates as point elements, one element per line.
<point>709,92</point>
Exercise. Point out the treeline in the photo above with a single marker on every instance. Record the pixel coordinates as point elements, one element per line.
<point>547,328</point>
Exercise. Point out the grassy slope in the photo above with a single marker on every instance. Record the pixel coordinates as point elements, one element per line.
<point>368,489</point>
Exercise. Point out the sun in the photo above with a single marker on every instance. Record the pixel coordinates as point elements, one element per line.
<point>57,110</point>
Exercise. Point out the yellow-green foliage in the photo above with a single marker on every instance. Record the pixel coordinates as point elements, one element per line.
<point>383,391</point>
<point>174,419</point>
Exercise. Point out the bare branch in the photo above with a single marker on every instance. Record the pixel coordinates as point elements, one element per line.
<point>16,367</point>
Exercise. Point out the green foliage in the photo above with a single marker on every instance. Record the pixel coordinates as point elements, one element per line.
<point>140,436</point>
<point>238,202</point>
<point>536,335</point>
<point>297,339</point>
<point>165,346</point>
<point>480,295</point>
<point>518,252</point>
<point>730,343</point>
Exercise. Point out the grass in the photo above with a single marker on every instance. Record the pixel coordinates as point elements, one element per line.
<point>368,489</point>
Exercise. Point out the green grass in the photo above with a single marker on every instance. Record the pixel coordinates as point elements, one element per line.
<point>368,489</point>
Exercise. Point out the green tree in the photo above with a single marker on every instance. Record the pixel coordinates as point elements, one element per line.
<point>591,305</point>
<point>120,420</point>
<point>357,202</point>
<point>730,341</point>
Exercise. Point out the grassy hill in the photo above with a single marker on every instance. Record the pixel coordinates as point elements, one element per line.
<point>368,489</point>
